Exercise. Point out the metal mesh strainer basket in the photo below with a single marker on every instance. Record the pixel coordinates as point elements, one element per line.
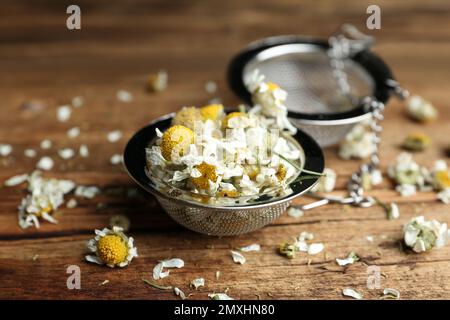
<point>219,220</point>
<point>302,67</point>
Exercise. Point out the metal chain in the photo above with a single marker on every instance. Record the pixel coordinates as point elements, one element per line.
<point>342,48</point>
<point>355,186</point>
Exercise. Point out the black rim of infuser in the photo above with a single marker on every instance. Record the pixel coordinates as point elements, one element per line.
<point>371,63</point>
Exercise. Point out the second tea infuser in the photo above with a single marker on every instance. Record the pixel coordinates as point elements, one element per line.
<point>332,86</point>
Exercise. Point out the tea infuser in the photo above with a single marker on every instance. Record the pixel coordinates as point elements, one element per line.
<point>332,86</point>
<point>220,220</point>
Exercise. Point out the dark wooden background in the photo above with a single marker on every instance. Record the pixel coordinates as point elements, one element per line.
<point>120,43</point>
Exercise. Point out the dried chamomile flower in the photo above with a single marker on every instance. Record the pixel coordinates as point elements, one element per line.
<point>287,249</point>
<point>420,110</point>
<point>45,196</point>
<point>421,235</point>
<point>270,100</point>
<point>359,143</point>
<point>416,142</point>
<point>111,247</point>
<point>158,81</point>
<point>237,257</point>
<point>212,112</point>
<point>187,117</point>
<point>351,258</point>
<point>196,283</point>
<point>390,294</point>
<point>219,296</point>
<point>440,175</point>
<point>120,220</point>
<point>207,174</point>
<point>158,272</point>
<point>326,182</point>
<point>175,141</point>
<point>349,292</point>
<point>407,173</point>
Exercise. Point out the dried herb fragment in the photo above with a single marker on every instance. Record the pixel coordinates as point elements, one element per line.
<point>287,249</point>
<point>157,286</point>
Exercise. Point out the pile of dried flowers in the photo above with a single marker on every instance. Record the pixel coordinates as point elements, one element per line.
<point>222,157</point>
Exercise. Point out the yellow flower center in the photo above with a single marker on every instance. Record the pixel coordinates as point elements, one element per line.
<point>416,142</point>
<point>442,179</point>
<point>272,86</point>
<point>211,112</point>
<point>47,209</point>
<point>112,249</point>
<point>281,172</point>
<point>252,171</point>
<point>231,116</point>
<point>228,193</point>
<point>176,141</point>
<point>208,172</point>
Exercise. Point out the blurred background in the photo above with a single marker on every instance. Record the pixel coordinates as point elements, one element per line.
<point>121,42</point>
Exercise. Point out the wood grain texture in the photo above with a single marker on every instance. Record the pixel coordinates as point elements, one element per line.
<point>120,43</point>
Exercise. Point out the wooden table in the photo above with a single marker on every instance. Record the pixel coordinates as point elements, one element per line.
<point>119,44</point>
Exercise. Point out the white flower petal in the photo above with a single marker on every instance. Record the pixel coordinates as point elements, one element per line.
<point>196,283</point>
<point>348,292</point>
<point>219,296</point>
<point>63,113</point>
<point>173,263</point>
<point>295,212</point>
<point>315,248</point>
<point>252,247</point>
<point>390,293</point>
<point>94,259</point>
<point>16,180</point>
<point>237,257</point>
<point>179,293</point>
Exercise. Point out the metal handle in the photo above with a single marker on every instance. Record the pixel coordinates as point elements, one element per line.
<point>364,202</point>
